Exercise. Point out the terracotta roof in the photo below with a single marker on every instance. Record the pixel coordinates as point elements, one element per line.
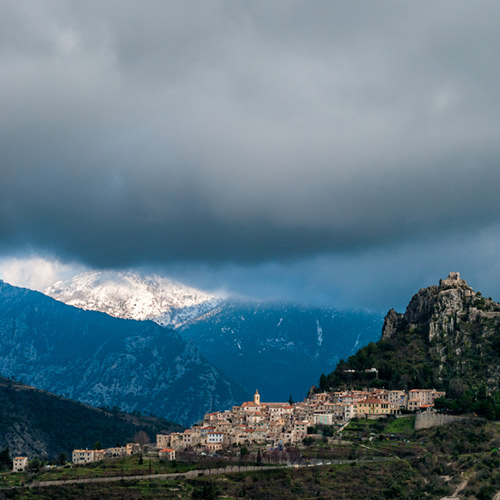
<point>372,401</point>
<point>167,450</point>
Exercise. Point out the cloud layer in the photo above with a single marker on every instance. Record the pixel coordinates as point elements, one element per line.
<point>245,132</point>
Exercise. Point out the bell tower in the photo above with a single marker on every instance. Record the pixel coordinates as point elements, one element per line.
<point>256,397</point>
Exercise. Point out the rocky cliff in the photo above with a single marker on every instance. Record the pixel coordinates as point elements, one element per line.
<point>448,337</point>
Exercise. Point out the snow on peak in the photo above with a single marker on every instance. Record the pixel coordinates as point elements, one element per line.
<point>134,296</point>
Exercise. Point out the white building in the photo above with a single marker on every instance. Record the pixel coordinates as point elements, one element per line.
<point>167,454</point>
<point>82,456</point>
<point>20,464</point>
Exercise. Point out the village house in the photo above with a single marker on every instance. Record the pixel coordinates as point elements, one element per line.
<point>324,418</point>
<point>214,438</point>
<point>163,440</point>
<point>19,464</point>
<point>86,456</point>
<point>375,407</point>
<point>190,438</point>
<point>420,397</point>
<point>83,456</point>
<point>166,454</point>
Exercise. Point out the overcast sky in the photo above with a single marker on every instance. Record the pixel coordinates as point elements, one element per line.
<point>327,152</point>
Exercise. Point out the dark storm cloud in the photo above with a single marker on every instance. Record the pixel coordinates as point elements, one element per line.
<point>134,132</point>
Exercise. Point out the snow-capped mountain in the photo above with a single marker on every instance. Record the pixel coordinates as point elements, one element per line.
<point>134,296</point>
<point>104,361</point>
<point>280,348</point>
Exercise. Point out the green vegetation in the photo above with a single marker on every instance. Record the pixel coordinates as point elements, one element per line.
<point>402,426</point>
<point>392,461</point>
<point>403,362</point>
<point>473,401</point>
<point>5,459</point>
<point>50,425</point>
<point>123,466</point>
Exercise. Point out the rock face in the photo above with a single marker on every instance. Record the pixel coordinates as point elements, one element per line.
<point>449,336</point>
<point>436,308</point>
<point>105,361</point>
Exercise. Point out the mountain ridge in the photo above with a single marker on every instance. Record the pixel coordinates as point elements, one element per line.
<point>134,296</point>
<point>106,361</point>
<point>38,423</point>
<point>256,343</point>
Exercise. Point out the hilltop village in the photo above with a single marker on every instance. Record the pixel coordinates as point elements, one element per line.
<point>275,425</point>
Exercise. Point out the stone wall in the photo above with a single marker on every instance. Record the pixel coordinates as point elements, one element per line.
<point>428,420</point>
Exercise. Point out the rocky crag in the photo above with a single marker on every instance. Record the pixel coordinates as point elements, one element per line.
<point>448,337</point>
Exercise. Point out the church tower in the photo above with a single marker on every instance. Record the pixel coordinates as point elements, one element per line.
<point>256,397</point>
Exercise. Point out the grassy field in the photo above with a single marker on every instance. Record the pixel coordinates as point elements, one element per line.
<point>402,426</point>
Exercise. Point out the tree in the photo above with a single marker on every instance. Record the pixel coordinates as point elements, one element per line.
<point>308,441</point>
<point>141,438</point>
<point>35,465</point>
<point>5,458</point>
<point>61,460</point>
<point>208,491</point>
<point>97,446</point>
<point>244,452</point>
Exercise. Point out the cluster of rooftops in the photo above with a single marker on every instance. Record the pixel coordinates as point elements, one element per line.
<point>272,425</point>
<point>279,424</point>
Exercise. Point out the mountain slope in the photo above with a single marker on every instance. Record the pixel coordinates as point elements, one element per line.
<point>279,347</point>
<point>101,360</point>
<point>274,346</point>
<point>449,337</point>
<point>37,423</point>
<point>134,296</point>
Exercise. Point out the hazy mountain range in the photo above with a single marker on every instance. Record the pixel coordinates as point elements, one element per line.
<point>276,347</point>
<point>100,360</point>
